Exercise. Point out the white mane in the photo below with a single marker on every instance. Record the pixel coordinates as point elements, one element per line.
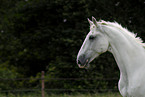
<point>125,30</point>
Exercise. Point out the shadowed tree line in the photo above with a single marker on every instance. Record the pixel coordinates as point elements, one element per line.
<point>38,35</point>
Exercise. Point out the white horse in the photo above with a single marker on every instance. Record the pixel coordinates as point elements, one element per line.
<point>127,49</point>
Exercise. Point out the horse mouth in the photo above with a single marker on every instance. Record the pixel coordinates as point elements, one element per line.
<point>86,65</point>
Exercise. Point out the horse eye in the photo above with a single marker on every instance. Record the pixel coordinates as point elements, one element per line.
<point>91,37</point>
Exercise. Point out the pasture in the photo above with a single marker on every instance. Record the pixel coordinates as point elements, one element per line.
<point>63,95</point>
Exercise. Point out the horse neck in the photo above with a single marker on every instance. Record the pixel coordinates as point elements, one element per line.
<point>127,53</point>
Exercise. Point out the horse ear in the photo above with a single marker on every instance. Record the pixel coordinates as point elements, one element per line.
<point>94,20</point>
<point>91,23</point>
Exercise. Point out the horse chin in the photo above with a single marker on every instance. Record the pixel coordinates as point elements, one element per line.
<point>87,65</point>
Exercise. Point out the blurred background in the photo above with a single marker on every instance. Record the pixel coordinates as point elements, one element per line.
<point>46,35</point>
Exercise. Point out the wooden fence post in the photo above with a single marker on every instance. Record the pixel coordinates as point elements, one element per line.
<point>43,85</point>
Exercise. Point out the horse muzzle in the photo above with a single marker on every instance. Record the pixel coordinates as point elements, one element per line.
<point>83,62</point>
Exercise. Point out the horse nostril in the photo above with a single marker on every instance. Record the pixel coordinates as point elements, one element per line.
<point>79,62</point>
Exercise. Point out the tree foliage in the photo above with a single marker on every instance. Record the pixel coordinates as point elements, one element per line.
<point>46,35</point>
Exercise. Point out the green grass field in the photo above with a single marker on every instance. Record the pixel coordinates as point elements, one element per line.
<point>64,95</point>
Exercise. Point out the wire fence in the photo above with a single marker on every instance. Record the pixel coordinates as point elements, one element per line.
<point>47,88</point>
